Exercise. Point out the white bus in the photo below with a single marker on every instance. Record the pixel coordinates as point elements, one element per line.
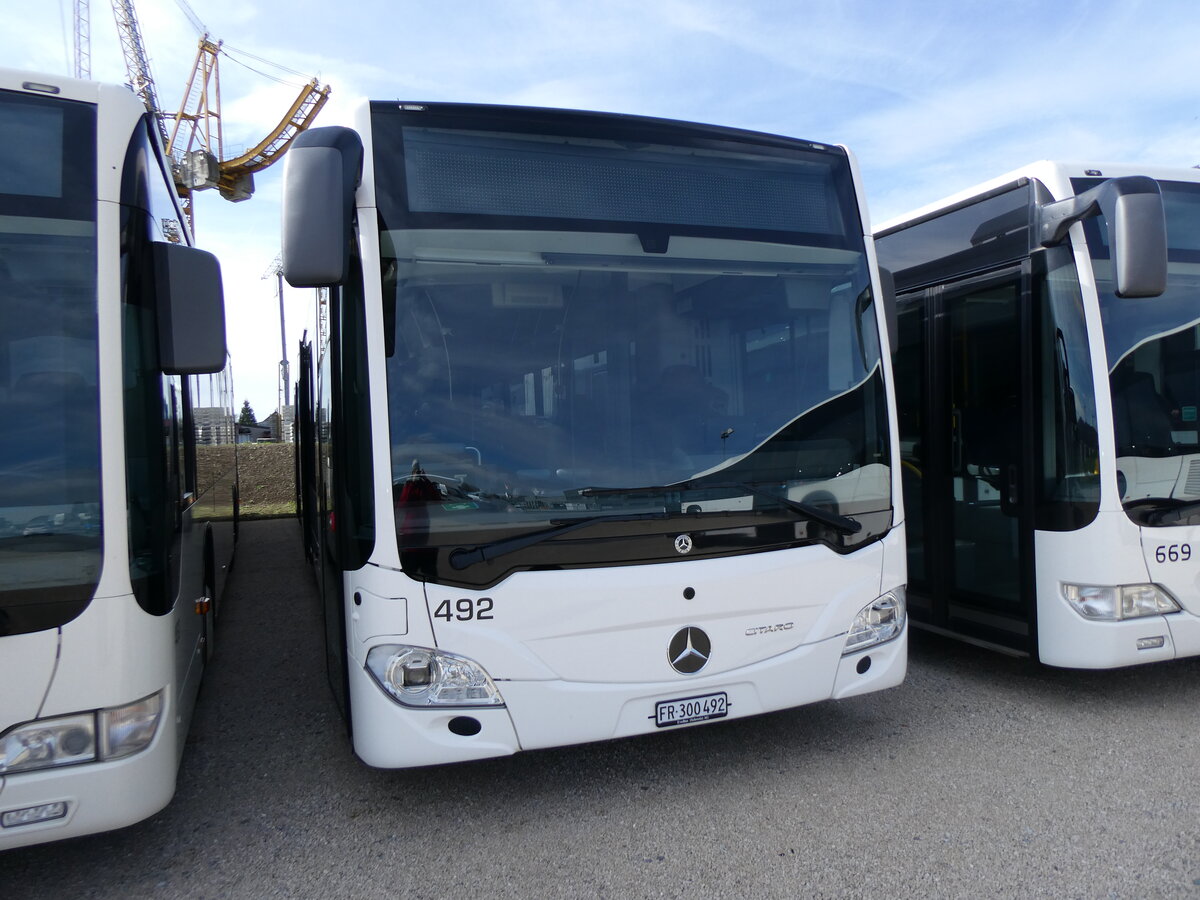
<point>601,439</point>
<point>1048,372</point>
<point>116,527</point>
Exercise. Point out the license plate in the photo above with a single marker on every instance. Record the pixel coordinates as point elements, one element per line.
<point>691,709</point>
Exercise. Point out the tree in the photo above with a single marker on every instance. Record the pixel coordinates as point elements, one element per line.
<point>247,417</point>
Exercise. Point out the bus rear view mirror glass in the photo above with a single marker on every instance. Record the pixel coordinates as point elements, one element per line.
<point>321,173</point>
<point>191,310</point>
<point>1138,234</point>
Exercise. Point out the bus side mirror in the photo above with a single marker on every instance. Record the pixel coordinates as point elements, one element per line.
<point>321,172</point>
<point>1137,230</point>
<point>887,284</point>
<point>191,310</point>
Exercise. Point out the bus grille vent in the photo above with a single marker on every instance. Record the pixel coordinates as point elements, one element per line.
<point>1192,487</point>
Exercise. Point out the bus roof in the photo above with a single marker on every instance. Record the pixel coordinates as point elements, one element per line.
<point>1055,175</point>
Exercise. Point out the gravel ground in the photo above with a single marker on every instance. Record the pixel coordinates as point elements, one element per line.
<point>982,776</point>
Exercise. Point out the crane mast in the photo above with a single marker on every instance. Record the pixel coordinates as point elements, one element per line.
<point>83,40</point>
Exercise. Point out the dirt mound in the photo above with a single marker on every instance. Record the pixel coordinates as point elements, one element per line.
<point>267,479</point>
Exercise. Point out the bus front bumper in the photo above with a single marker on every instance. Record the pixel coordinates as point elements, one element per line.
<point>71,801</point>
<point>542,714</point>
<point>1067,640</point>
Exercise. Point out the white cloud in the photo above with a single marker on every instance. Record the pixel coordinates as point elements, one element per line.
<point>932,97</point>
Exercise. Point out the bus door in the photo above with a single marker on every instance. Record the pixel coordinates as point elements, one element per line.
<point>961,372</point>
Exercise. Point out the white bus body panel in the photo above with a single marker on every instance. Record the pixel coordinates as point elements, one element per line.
<point>1067,639</point>
<point>26,667</point>
<point>581,655</point>
<point>1181,577</point>
<point>113,654</point>
<point>613,624</point>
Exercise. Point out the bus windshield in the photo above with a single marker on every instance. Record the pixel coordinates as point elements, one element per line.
<point>49,399</point>
<point>1153,348</point>
<point>662,331</point>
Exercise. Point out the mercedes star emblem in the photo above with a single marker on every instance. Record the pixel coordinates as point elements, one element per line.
<point>689,650</point>
<point>683,543</point>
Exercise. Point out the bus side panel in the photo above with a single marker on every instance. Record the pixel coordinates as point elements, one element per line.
<point>223,552</point>
<point>190,631</point>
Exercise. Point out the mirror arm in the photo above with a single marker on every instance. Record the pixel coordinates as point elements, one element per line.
<point>1137,230</point>
<point>1054,220</point>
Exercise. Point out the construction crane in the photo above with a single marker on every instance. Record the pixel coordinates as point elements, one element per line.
<point>137,63</point>
<point>197,138</point>
<point>195,141</point>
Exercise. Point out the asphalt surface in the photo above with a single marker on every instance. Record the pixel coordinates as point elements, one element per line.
<point>982,776</point>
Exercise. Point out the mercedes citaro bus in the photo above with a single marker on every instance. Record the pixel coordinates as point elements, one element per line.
<point>597,434</point>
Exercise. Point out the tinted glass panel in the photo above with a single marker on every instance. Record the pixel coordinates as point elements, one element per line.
<point>153,450</point>
<point>512,392</point>
<point>978,236</point>
<point>463,166</point>
<point>50,539</point>
<point>594,316</point>
<point>1153,348</point>
<point>532,176</point>
<point>1068,454</point>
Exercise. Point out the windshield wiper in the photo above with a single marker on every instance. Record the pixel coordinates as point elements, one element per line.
<point>839,523</point>
<point>463,557</point>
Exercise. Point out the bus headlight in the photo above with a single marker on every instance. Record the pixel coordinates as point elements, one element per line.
<point>420,677</point>
<point>1121,601</point>
<point>104,734</point>
<point>126,730</point>
<point>877,623</point>
<point>46,743</point>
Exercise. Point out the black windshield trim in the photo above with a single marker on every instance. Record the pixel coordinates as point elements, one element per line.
<point>464,557</point>
<point>39,609</point>
<point>1163,512</point>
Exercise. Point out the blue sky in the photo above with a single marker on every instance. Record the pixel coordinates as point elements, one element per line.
<point>931,97</point>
